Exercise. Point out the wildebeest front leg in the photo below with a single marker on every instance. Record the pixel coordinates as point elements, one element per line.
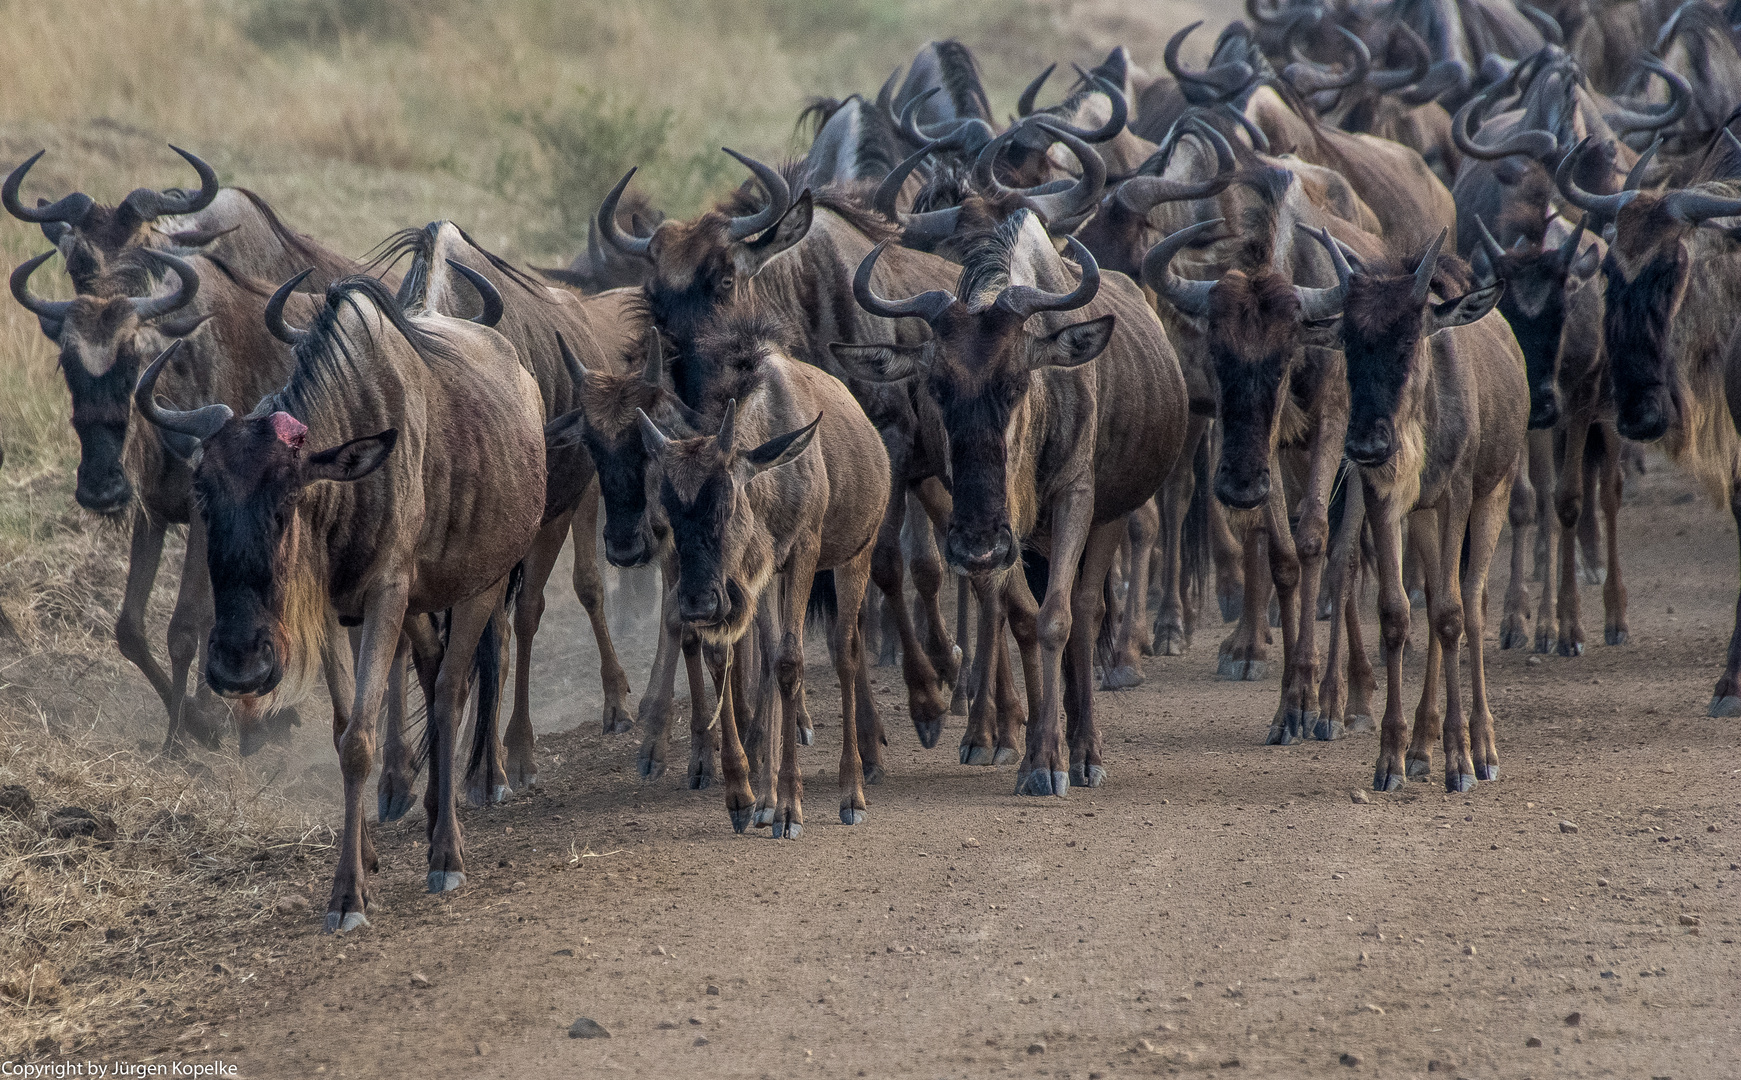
<point>1135,633</point>
<point>589,590</point>
<point>1088,604</point>
<point>927,566</point>
<point>398,773</point>
<point>740,801</point>
<point>924,702</point>
<point>522,768</point>
<point>656,703</point>
<point>189,628</point>
<point>466,623</point>
<point>1044,769</point>
<point>143,559</point>
<point>1171,632</point>
<point>384,612</point>
<point>1614,631</point>
<point>849,662</point>
<point>1482,748</point>
<point>1244,653</point>
<point>1284,572</point>
<point>979,741</point>
<point>1428,540</point>
<point>1569,506</point>
<point>789,677</point>
<point>1514,626</point>
<point>1393,619</point>
<point>1726,697</point>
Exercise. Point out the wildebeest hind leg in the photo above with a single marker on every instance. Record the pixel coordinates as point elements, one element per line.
<point>522,767</point>
<point>1484,525</point>
<point>1087,765</point>
<point>467,622</point>
<point>398,773</point>
<point>589,590</point>
<point>1045,766</point>
<point>384,612</point>
<point>849,659</point>
<point>1726,697</point>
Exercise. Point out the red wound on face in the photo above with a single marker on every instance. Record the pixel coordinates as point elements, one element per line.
<point>289,429</point>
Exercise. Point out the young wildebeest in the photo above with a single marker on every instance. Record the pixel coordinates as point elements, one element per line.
<point>445,264</point>
<point>436,432</point>
<point>752,513</point>
<point>1438,404</point>
<point>1669,332</point>
<point>140,302</point>
<point>1049,449</point>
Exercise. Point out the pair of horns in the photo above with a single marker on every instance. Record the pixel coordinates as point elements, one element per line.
<point>144,307</point>
<point>1018,300</point>
<point>742,228</point>
<point>144,204</point>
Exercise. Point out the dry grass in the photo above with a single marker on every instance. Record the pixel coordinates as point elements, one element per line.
<point>355,118</point>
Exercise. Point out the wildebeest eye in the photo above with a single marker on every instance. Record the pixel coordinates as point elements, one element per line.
<point>726,283</point>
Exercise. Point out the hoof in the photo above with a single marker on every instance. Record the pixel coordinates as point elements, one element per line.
<point>888,656</point>
<point>1005,755</point>
<point>930,729</point>
<point>1326,729</point>
<point>1616,636</point>
<point>1571,648</point>
<point>1488,773</point>
<point>441,881</point>
<point>617,720</point>
<point>649,766</point>
<point>1418,598</point>
<point>1092,776</point>
<point>1170,639</point>
<point>740,819</point>
<point>875,774</point>
<point>787,830</point>
<point>1725,706</point>
<point>1513,636</point>
<point>1232,605</point>
<point>850,815</point>
<point>1044,782</point>
<point>393,802</point>
<point>978,755</point>
<point>806,736</point>
<point>1242,670</point>
<point>762,817</point>
<point>1278,735</point>
<point>1459,783</point>
<point>698,781</point>
<point>1418,768</point>
<point>1544,644</point>
<point>1361,723</point>
<point>1385,780</point>
<point>1122,677</point>
<point>344,922</point>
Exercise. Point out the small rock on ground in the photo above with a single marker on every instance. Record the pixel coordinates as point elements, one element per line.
<point>1568,827</point>
<point>585,1027</point>
<point>1350,1060</point>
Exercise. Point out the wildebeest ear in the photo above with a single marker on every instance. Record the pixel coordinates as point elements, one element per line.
<point>1464,309</point>
<point>353,460</point>
<point>179,445</point>
<point>1076,344</point>
<point>781,449</point>
<point>750,256</point>
<point>879,363</point>
<point>1323,333</point>
<point>565,430</point>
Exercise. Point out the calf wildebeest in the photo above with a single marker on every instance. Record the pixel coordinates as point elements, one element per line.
<point>753,518</point>
<point>796,255</point>
<point>232,224</point>
<point>1437,413</point>
<point>141,301</point>
<point>1668,331</point>
<point>435,434</point>
<point>1053,437</point>
<point>445,264</point>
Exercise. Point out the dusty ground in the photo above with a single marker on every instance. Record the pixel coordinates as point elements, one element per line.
<point>1218,905</point>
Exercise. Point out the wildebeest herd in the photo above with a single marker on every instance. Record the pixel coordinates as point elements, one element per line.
<point>1374,281</point>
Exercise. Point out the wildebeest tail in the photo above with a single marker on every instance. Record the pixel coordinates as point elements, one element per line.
<point>824,605</point>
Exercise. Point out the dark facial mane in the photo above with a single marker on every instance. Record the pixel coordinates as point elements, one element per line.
<point>735,345</point>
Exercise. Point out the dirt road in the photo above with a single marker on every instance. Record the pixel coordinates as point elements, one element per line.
<point>1218,906</point>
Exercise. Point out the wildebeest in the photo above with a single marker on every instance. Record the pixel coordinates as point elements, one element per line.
<point>753,519</point>
<point>1053,437</point>
<point>1668,331</point>
<point>141,301</point>
<point>1437,412</point>
<point>434,434</point>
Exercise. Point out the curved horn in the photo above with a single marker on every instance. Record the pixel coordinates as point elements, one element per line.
<point>1188,295</point>
<point>1623,119</point>
<point>487,292</point>
<point>888,192</point>
<point>1424,272</point>
<point>1603,206</point>
<point>70,209</point>
<point>188,287</point>
<point>1114,124</point>
<point>967,134</point>
<point>728,424</point>
<point>1259,141</point>
<point>1528,143</point>
<point>149,205</point>
<point>1316,305</point>
<point>655,440</point>
<point>1082,196</point>
<point>930,227</point>
<point>1025,103</point>
<point>653,367</point>
<point>1693,207</point>
<point>908,121</point>
<point>50,310</point>
<point>201,423</point>
<point>274,313</point>
<point>927,305</point>
<point>1025,300</point>
<point>1272,17</point>
<point>577,371</point>
<point>1338,257</point>
<point>779,198</point>
<point>1491,246</point>
<point>1635,175</point>
<point>1547,24</point>
<point>1140,194</point>
<point>1390,81</point>
<point>1444,77</point>
<point>1224,79</point>
<point>1309,77</point>
<point>1569,250</point>
<point>606,223</point>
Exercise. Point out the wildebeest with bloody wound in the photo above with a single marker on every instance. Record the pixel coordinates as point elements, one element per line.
<point>1053,437</point>
<point>795,481</point>
<point>400,471</point>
